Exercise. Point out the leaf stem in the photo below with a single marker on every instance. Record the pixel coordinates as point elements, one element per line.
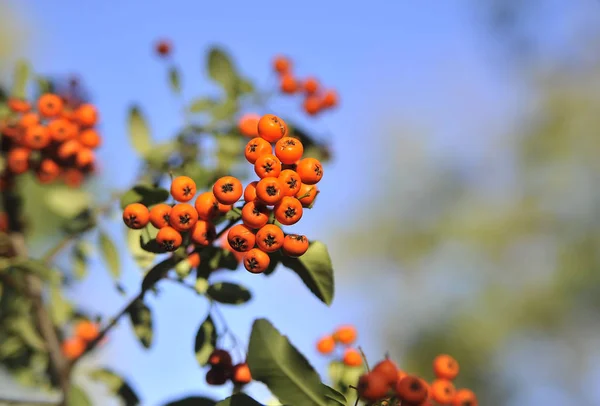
<point>362,353</point>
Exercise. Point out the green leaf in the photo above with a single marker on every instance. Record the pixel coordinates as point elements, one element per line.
<point>315,270</point>
<point>157,272</point>
<point>21,76</point>
<point>206,341</point>
<point>229,293</point>
<point>143,258</point>
<point>141,319</point>
<point>67,202</point>
<point>239,399</point>
<point>274,361</point>
<point>77,397</point>
<point>110,254</point>
<point>202,104</point>
<point>335,397</point>
<point>245,86</point>
<point>192,401</point>
<point>144,194</point>
<point>342,375</point>
<point>24,328</point>
<point>225,110</point>
<point>116,385</point>
<point>79,257</point>
<point>175,79</point>
<point>221,68</point>
<point>60,309</point>
<point>139,132</point>
<point>44,85</point>
<point>36,267</point>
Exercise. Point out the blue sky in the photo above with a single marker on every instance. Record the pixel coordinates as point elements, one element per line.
<point>426,63</point>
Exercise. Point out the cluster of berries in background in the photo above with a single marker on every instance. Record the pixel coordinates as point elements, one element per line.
<point>343,337</point>
<point>85,331</point>
<point>286,186</point>
<point>222,370</point>
<point>316,98</point>
<point>50,140</point>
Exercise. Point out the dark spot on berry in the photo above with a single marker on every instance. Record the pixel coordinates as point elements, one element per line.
<point>271,190</point>
<point>270,240</point>
<point>226,188</point>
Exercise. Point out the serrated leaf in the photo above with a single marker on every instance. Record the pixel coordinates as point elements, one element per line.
<point>239,399</point>
<point>139,132</point>
<point>143,258</point>
<point>67,202</point>
<point>110,254</point>
<point>141,319</point>
<point>175,79</point>
<point>192,401</point>
<point>206,341</point>
<point>60,309</point>
<point>21,75</point>
<point>221,68</point>
<point>144,194</point>
<point>315,270</point>
<point>229,293</point>
<point>116,385</point>
<point>274,361</point>
<point>77,397</point>
<point>202,104</point>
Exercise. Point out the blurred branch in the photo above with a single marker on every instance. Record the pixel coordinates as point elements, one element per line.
<point>20,401</point>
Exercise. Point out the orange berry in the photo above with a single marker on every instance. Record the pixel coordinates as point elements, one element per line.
<point>256,261</point>
<point>325,345</point>
<point>412,389</point>
<point>345,334</point>
<point>443,391</point>
<point>248,125</point>
<point>86,330</point>
<point>311,85</point>
<point>269,191</point>
<point>445,367</point>
<point>228,190</point>
<point>3,222</point>
<point>352,357</point>
<point>73,177</point>
<point>250,192</point>
<point>239,256</point>
<point>255,215</point>
<point>269,238</point>
<point>50,105</point>
<point>163,47</point>
<point>388,370</point>
<point>289,150</point>
<point>288,84</point>
<point>84,157</point>
<point>257,147</point>
<point>290,182</point>
<point>48,171</point>
<point>90,138</point>
<point>224,208</point>
<point>217,376</point>
<point>241,238</point>
<point>169,238</point>
<point>330,99</point>
<point>18,106</point>
<point>69,148</point>
<point>61,130</point>
<point>203,233</point>
<point>183,188</point>
<point>288,211</point>
<point>207,206</point>
<point>73,347</point>
<point>271,127</point>
<point>295,245</point>
<point>18,160</point>
<point>465,397</point>
<point>136,216</point>
<point>29,119</point>
<point>310,171</point>
<point>372,387</point>
<point>36,137</point>
<point>86,115</point>
<point>312,105</point>
<point>282,64</point>
<point>194,259</point>
<point>159,215</point>
<point>241,374</point>
<point>183,217</point>
<point>267,165</point>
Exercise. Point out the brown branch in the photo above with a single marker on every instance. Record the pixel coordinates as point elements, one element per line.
<point>29,402</point>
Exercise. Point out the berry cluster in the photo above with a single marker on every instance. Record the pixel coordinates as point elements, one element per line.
<point>85,331</point>
<point>345,336</point>
<point>52,140</point>
<point>287,185</point>
<point>316,99</point>
<point>387,382</point>
<point>222,369</point>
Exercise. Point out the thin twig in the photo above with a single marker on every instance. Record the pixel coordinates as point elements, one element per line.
<point>362,353</point>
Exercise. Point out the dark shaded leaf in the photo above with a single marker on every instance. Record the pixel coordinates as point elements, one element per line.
<point>239,399</point>
<point>315,270</point>
<point>157,273</point>
<point>175,79</point>
<point>110,254</point>
<point>135,240</point>
<point>139,132</point>
<point>229,293</point>
<point>116,385</point>
<point>192,401</point>
<point>144,194</point>
<point>274,361</point>
<point>79,257</point>
<point>141,319</point>
<point>206,340</point>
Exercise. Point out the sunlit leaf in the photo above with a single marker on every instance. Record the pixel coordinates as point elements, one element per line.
<point>139,132</point>
<point>141,319</point>
<point>110,254</point>
<point>21,76</point>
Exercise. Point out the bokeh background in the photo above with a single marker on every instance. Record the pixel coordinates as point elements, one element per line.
<point>462,208</point>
